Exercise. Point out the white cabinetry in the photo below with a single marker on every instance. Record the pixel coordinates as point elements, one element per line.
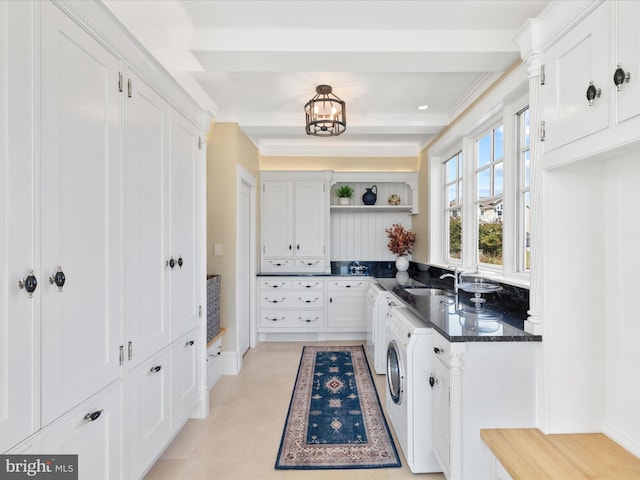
<point>17,238</point>
<point>79,214</point>
<point>478,384</point>
<point>148,411</point>
<point>91,431</point>
<point>147,301</point>
<point>347,304</point>
<point>591,52</point>
<point>291,304</point>
<point>294,222</point>
<point>571,66</point>
<point>100,200</point>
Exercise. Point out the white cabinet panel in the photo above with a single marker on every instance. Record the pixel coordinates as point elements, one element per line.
<point>79,214</point>
<point>146,240</point>
<point>17,240</point>
<point>310,208</point>
<point>184,384</point>
<point>347,304</point>
<point>628,57</point>
<point>91,431</point>
<point>277,219</point>
<point>184,211</point>
<point>148,412</point>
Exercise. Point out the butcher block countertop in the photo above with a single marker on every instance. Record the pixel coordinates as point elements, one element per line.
<point>528,454</point>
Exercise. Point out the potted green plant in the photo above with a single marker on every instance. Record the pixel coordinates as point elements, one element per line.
<point>344,194</point>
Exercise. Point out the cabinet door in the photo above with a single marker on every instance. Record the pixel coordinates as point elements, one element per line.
<point>80,229</point>
<point>577,59</point>
<point>184,385</point>
<point>146,222</point>
<point>148,412</point>
<point>96,440</point>
<point>441,414</point>
<point>628,56</point>
<point>277,219</point>
<point>17,237</point>
<point>347,311</point>
<point>310,210</point>
<point>184,229</point>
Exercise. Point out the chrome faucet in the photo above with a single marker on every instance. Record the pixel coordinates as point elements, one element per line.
<point>453,275</point>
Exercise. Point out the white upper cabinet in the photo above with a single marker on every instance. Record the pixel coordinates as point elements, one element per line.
<point>146,222</point>
<point>277,214</point>
<point>310,208</point>
<point>17,240</point>
<point>185,154</point>
<point>628,60</point>
<point>79,214</point>
<point>295,209</point>
<point>587,57</point>
<point>577,63</point>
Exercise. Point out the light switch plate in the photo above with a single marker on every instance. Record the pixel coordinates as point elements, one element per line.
<point>217,249</point>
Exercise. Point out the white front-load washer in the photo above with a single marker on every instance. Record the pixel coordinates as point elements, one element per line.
<point>379,302</point>
<point>408,394</point>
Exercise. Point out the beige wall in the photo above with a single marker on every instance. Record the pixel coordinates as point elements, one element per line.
<point>420,221</point>
<point>227,148</point>
<point>341,164</point>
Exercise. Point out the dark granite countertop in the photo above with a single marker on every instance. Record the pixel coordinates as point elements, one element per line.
<point>457,319</point>
<point>452,316</point>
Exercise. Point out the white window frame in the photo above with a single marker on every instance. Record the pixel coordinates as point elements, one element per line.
<point>509,270</point>
<point>446,207</point>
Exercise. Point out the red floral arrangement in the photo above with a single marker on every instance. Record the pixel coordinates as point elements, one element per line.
<point>400,240</point>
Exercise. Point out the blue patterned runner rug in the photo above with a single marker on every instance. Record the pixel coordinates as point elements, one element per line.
<point>335,419</point>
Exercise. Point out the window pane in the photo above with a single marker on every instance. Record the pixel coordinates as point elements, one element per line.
<point>484,150</point>
<point>498,179</point>
<point>527,129</point>
<point>490,238</point>
<point>455,234</point>
<point>498,143</point>
<point>452,169</point>
<point>484,183</point>
<point>452,195</point>
<point>526,165</point>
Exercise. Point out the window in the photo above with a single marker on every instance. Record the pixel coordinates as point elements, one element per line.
<point>489,198</point>
<point>524,186</point>
<point>453,206</point>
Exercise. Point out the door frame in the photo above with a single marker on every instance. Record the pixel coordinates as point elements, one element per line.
<point>246,178</point>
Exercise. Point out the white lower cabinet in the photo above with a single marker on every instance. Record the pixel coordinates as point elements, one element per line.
<point>478,385</point>
<point>291,304</point>
<point>148,414</point>
<point>91,431</point>
<point>346,307</point>
<point>184,377</point>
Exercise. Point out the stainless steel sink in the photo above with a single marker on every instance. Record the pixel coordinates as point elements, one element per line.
<point>426,291</point>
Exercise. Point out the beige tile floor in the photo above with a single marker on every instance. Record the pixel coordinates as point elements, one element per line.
<point>240,438</point>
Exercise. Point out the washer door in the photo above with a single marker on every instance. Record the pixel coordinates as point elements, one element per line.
<point>395,374</point>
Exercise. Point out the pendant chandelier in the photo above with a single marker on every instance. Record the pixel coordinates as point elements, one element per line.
<point>325,114</point>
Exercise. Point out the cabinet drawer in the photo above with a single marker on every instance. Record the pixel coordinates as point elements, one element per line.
<point>348,285</point>
<point>310,263</point>
<point>308,284</point>
<point>275,284</point>
<point>311,319</point>
<point>278,265</point>
<point>311,299</point>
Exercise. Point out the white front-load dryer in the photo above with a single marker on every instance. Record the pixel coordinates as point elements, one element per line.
<point>408,393</point>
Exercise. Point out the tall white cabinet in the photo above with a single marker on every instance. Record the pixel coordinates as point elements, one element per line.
<point>295,217</point>
<point>101,342</point>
